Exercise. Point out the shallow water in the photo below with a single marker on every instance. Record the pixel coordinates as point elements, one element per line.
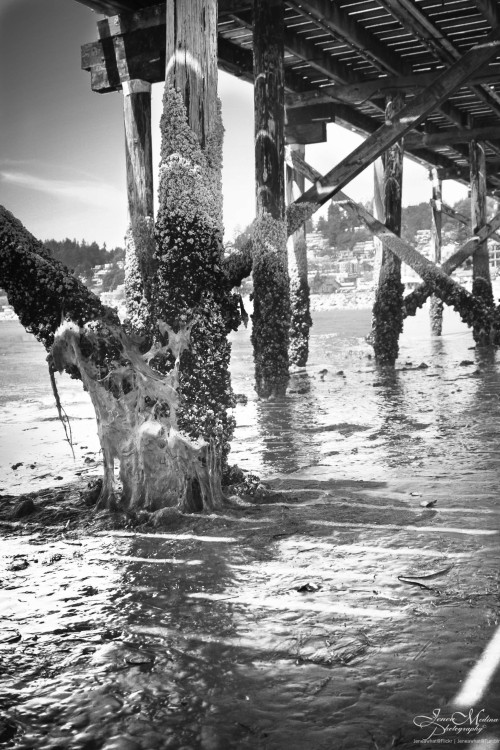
<point>285,625</point>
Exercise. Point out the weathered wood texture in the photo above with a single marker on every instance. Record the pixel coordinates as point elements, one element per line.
<point>190,64</point>
<point>481,281</point>
<point>387,322</point>
<point>474,312</point>
<point>409,117</point>
<point>269,107</point>
<point>301,320</point>
<point>271,316</point>
<point>436,309</point>
<point>138,148</point>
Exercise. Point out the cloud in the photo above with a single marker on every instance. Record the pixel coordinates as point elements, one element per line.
<point>87,192</point>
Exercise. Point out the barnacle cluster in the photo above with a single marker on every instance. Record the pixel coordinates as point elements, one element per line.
<point>387,311</point>
<point>271,315</point>
<point>189,284</point>
<point>300,316</point>
<point>42,290</point>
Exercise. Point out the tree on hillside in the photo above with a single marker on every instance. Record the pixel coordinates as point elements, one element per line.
<point>415,218</point>
<point>82,257</point>
<point>341,229</point>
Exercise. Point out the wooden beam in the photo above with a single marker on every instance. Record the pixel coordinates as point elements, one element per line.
<point>138,149</point>
<point>411,17</point>
<point>331,112</point>
<point>271,295</point>
<point>302,167</point>
<point>299,46</point>
<point>416,298</point>
<point>387,319</point>
<point>481,281</point>
<point>361,91</point>
<point>436,308</point>
<point>462,218</point>
<point>490,10</point>
<point>127,23</point>
<point>112,7</point>
<point>452,136</point>
<point>300,318</point>
<point>313,132</point>
<point>331,18</point>
<point>408,118</point>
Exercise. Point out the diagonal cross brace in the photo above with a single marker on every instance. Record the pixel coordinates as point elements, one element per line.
<point>406,119</point>
<point>419,295</point>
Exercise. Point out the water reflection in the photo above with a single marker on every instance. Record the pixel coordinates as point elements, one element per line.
<point>282,425</point>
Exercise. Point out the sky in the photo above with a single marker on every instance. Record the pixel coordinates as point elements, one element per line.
<point>62,158</point>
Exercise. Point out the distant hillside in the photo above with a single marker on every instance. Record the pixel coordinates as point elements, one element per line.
<point>85,259</point>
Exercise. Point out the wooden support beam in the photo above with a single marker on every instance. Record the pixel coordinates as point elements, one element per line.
<point>111,7</point>
<point>331,112</point>
<point>300,316</point>
<point>378,88</point>
<point>416,298</point>
<point>481,281</point>
<point>138,148</point>
<point>306,133</point>
<point>334,20</point>
<point>387,321</point>
<point>436,309</point>
<point>410,16</point>
<point>410,116</point>
<point>452,136</point>
<point>490,10</point>
<point>271,316</point>
<point>474,312</point>
<point>139,248</point>
<point>463,219</point>
<point>299,46</point>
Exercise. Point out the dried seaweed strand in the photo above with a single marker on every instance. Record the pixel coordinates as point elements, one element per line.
<point>62,414</point>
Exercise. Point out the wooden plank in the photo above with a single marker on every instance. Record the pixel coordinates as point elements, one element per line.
<point>138,149</point>
<point>452,136</point>
<point>300,319</point>
<point>490,10</point>
<point>412,18</point>
<point>410,116</point>
<point>462,218</point>
<point>387,319</point>
<point>314,132</point>
<point>269,110</point>
<point>419,295</point>
<point>271,291</point>
<point>126,23</point>
<point>361,90</point>
<point>481,280</point>
<point>112,7</point>
<point>436,308</point>
<point>336,21</point>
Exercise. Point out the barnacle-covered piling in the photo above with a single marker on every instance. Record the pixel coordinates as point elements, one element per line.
<point>300,315</point>
<point>271,316</point>
<point>387,323</point>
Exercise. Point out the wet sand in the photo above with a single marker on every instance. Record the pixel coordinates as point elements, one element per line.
<point>331,614</point>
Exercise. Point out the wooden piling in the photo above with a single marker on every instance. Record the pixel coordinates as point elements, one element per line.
<point>271,316</point>
<point>481,280</point>
<point>139,241</point>
<point>387,321</point>
<point>436,308</point>
<point>190,290</point>
<point>138,149</point>
<point>300,322</point>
